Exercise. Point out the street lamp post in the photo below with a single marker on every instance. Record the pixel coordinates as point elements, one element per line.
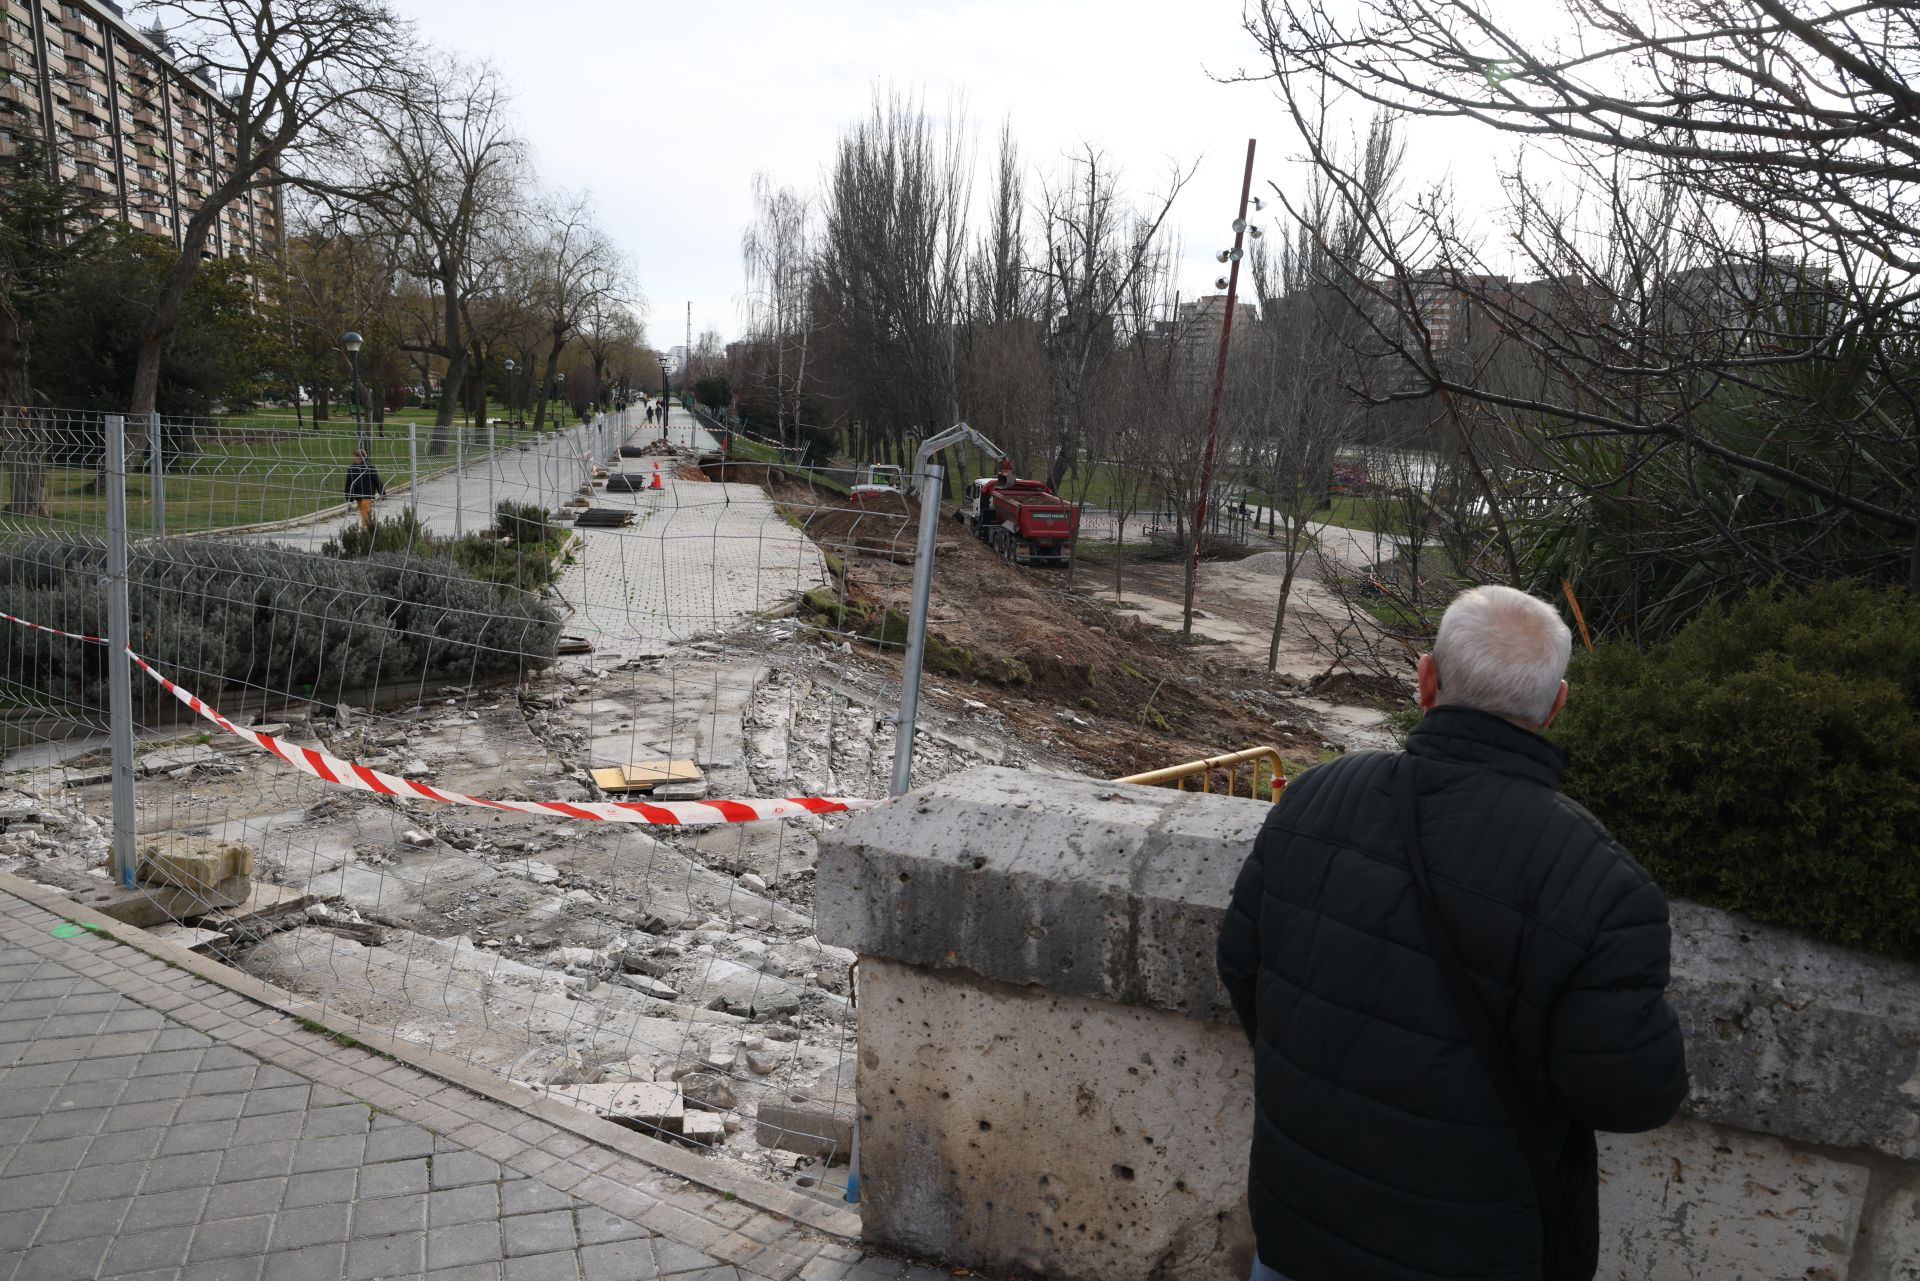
<point>1232,285</point>
<point>561,380</point>
<point>351,341</point>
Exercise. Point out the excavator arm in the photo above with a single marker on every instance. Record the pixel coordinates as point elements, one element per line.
<point>957,434</point>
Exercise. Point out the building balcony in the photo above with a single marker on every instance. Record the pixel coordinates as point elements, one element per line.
<point>94,182</point>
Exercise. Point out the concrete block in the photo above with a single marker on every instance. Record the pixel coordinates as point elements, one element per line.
<point>1008,1129</point>
<point>1889,1248</point>
<point>1092,889</point>
<point>1796,1038</point>
<point>808,1128</point>
<point>1695,1201</point>
<point>1082,887</point>
<point>192,862</point>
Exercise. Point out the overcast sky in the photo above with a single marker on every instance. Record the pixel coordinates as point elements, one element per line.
<point>666,111</point>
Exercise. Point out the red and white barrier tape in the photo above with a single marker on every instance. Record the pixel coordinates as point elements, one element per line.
<point>343,773</point>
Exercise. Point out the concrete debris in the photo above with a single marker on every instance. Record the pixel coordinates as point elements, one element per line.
<point>762,1062</point>
<point>415,837</point>
<point>753,884</point>
<point>167,760</point>
<point>708,1090</point>
<point>639,1105</point>
<point>806,1128</point>
<point>703,1129</point>
<point>652,987</point>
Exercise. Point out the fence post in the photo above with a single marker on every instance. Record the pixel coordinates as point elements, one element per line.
<point>413,468</point>
<point>157,471</point>
<point>459,481</point>
<point>930,491</point>
<point>119,639</point>
<point>492,463</point>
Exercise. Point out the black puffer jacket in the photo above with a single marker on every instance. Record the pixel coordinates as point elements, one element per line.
<point>1380,1150</point>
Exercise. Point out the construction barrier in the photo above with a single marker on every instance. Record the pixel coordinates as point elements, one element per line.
<point>357,777</point>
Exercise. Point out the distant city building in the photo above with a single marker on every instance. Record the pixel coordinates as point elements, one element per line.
<point>119,114</point>
<point>1197,334</point>
<point>672,361</point>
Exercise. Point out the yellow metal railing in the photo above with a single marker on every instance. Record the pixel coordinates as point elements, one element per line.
<point>1177,775</point>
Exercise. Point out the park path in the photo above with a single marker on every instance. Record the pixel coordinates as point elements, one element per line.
<point>699,557</point>
<point>1352,549</point>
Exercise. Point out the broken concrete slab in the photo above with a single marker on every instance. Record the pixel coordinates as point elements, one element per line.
<point>806,1127</point>
<point>148,905</point>
<point>639,1105</point>
<point>704,1129</point>
<point>169,759</point>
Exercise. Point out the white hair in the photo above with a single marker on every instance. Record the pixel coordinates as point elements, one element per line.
<point>1502,651</point>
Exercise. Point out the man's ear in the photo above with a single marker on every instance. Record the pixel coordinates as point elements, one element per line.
<point>1429,680</point>
<point>1559,701</point>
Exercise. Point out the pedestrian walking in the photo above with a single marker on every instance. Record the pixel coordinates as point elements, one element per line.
<point>363,486</point>
<point>1452,976</point>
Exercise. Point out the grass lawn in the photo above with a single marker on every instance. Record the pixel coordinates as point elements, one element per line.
<point>233,481</point>
<point>741,447</point>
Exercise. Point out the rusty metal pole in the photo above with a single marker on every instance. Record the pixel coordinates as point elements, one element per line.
<point>1213,413</point>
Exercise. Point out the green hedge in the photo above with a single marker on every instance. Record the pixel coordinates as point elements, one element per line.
<point>1767,760</point>
<point>210,613</point>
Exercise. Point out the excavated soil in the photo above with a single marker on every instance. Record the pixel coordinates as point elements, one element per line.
<point>1101,684</point>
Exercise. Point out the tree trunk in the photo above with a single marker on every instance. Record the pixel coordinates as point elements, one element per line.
<point>162,318</point>
<point>476,392</point>
<point>23,433</point>
<point>456,366</point>
<point>546,386</point>
<point>1294,531</point>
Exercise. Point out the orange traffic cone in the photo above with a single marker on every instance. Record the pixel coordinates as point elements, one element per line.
<point>656,478</point>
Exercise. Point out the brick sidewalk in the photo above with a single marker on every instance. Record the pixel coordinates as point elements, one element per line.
<point>156,1125</point>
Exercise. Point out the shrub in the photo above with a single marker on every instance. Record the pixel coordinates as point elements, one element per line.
<point>519,551</point>
<point>1767,760</point>
<point>209,612</point>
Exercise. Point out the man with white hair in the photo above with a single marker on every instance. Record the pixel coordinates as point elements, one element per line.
<point>1452,976</point>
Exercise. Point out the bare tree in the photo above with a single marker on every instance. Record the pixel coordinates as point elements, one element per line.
<point>575,270</point>
<point>1100,254</point>
<point>444,170</point>
<point>1708,384</point>
<point>891,271</point>
<point>290,70</point>
<point>777,251</point>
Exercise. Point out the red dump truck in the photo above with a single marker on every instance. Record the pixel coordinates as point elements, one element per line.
<point>1023,520</point>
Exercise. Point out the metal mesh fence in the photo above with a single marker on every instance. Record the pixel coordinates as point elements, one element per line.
<point>618,611</point>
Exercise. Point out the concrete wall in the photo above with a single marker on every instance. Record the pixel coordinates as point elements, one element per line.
<point>1051,1081</point>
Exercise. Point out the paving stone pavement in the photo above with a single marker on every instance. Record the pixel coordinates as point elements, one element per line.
<point>155,1125</point>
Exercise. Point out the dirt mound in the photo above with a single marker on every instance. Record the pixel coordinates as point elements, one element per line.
<point>1360,688</point>
<point>1121,695</point>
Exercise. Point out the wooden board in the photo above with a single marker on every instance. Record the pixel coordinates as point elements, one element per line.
<point>644,776</point>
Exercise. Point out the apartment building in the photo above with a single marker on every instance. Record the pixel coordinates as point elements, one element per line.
<point>142,132</point>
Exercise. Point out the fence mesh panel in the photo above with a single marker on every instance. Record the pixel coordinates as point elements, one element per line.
<point>569,616</point>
